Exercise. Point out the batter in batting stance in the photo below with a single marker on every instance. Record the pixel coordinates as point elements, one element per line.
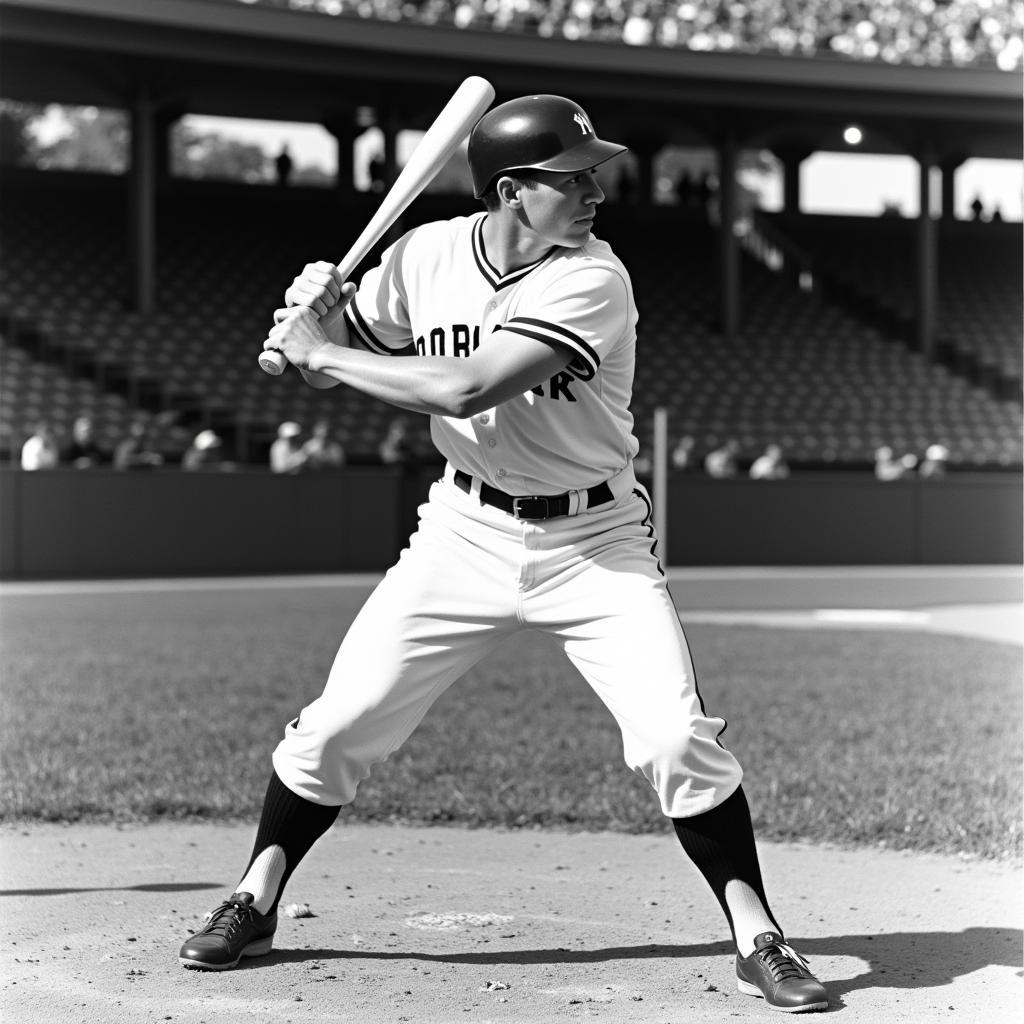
<point>520,328</point>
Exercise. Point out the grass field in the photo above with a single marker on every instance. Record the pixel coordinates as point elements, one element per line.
<point>135,706</point>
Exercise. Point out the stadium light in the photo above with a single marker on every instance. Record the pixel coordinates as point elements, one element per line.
<point>852,135</point>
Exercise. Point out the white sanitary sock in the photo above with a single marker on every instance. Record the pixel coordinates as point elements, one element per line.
<point>749,918</point>
<point>263,879</point>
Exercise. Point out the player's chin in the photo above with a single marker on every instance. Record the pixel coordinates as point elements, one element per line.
<point>578,232</point>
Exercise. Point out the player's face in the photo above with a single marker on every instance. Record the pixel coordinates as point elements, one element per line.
<point>561,208</point>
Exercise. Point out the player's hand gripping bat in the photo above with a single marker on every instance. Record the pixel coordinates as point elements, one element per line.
<point>439,143</point>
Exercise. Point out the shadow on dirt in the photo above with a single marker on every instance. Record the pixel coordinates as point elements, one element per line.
<point>901,960</point>
<point>146,887</point>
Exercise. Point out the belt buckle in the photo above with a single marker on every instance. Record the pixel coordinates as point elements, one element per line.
<point>530,507</point>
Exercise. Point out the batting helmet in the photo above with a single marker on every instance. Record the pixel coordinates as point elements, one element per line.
<point>542,133</point>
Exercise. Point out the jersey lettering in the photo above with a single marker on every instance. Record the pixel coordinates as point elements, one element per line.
<point>558,387</point>
<point>463,342</point>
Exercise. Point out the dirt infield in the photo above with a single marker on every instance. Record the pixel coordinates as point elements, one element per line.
<point>433,926</point>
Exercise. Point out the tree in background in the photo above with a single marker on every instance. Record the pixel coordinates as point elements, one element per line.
<point>95,139</point>
<point>197,154</point>
<point>91,139</point>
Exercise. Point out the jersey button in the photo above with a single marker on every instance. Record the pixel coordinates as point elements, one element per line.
<point>485,418</point>
<point>502,472</point>
<point>492,443</point>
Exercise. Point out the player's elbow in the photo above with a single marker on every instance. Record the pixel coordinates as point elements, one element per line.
<point>464,397</point>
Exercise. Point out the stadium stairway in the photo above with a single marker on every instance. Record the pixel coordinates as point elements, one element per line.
<point>867,266</point>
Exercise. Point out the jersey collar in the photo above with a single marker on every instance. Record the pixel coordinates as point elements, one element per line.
<point>496,280</point>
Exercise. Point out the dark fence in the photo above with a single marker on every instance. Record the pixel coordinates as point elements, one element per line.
<point>97,523</point>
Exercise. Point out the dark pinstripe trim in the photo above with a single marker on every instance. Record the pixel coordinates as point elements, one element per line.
<point>696,685</point>
<point>531,334</point>
<point>586,351</point>
<point>584,368</point>
<point>648,521</point>
<point>488,270</point>
<point>355,320</point>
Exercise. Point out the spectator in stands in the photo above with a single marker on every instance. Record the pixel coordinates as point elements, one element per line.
<point>888,467</point>
<point>283,166</point>
<point>377,173</point>
<point>706,193</point>
<point>934,463</point>
<point>770,465</point>
<point>685,189</point>
<point>286,454</point>
<point>977,208</point>
<point>395,448</point>
<point>683,455</point>
<point>135,451</point>
<point>40,449</point>
<point>721,462</point>
<point>957,32</point>
<point>84,452</point>
<point>204,453</point>
<point>322,451</point>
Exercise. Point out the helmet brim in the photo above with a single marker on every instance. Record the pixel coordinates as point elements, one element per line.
<point>590,153</point>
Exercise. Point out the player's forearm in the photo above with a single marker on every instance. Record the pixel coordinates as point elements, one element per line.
<point>426,384</point>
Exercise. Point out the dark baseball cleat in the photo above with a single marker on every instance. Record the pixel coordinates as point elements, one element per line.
<point>233,930</point>
<point>778,974</point>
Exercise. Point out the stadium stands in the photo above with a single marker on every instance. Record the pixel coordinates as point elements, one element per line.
<point>869,264</point>
<point>806,372</point>
<point>959,32</point>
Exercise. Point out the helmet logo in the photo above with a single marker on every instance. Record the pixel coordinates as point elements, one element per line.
<point>585,126</point>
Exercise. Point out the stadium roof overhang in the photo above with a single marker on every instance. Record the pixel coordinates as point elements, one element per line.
<point>217,57</point>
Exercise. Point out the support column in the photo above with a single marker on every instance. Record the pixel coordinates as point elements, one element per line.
<point>949,168</point>
<point>345,132</point>
<point>792,160</point>
<point>142,203</point>
<point>927,259</point>
<point>728,244</point>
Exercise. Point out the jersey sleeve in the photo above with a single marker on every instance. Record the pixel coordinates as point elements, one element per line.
<point>378,314</point>
<point>589,310</point>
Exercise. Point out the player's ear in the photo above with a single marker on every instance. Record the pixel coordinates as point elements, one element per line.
<point>508,190</point>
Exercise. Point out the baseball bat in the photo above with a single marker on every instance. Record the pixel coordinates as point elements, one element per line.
<point>437,146</point>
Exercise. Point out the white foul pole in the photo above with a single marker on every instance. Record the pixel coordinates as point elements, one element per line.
<point>659,480</point>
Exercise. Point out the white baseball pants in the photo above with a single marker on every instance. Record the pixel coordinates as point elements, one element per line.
<point>473,576</point>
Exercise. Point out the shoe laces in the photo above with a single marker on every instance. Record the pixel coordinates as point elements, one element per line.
<point>784,962</point>
<point>228,917</point>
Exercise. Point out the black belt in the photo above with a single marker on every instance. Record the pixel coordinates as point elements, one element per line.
<point>533,506</point>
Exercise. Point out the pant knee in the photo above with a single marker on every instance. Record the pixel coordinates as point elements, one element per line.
<point>690,773</point>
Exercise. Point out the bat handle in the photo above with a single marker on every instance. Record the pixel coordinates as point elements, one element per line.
<point>272,363</point>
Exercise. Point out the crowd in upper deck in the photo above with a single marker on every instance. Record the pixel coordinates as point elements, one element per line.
<point>956,32</point>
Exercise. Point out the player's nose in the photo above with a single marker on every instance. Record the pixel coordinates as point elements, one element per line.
<point>594,193</point>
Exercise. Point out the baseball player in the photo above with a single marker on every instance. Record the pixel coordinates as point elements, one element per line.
<point>520,328</point>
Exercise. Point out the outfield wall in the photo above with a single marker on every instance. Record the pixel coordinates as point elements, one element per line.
<point>67,523</point>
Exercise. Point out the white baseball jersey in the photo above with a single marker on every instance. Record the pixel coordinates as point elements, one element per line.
<point>473,576</point>
<point>437,287</point>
